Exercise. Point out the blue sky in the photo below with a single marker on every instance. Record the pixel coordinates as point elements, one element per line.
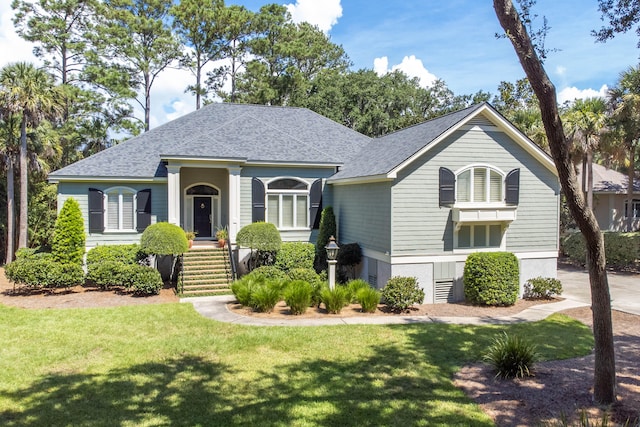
<point>453,40</point>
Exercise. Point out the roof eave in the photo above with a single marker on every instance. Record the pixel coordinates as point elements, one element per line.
<point>359,180</point>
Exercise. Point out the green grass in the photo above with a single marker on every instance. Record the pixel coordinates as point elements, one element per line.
<point>166,365</point>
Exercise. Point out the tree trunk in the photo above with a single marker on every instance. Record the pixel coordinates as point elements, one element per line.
<point>584,173</point>
<point>147,101</point>
<point>590,179</point>
<point>631,174</point>
<point>11,228</point>
<point>24,176</point>
<point>605,375</point>
<point>198,79</point>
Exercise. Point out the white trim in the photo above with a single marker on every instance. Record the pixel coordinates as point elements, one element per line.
<point>284,192</point>
<point>67,178</point>
<point>425,259</point>
<point>377,255</point>
<point>295,164</point>
<point>472,167</point>
<point>188,199</point>
<point>359,180</point>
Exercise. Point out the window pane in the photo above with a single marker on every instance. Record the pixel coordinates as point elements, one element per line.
<point>479,185</point>
<point>287,211</point>
<point>301,211</point>
<point>495,236</point>
<point>464,237</point>
<point>112,211</point>
<point>287,184</point>
<point>495,189</point>
<point>272,209</point>
<point>464,187</point>
<point>479,236</point>
<point>127,211</point>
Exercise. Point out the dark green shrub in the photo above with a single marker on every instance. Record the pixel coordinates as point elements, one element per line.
<point>65,275</point>
<point>491,278</point>
<point>349,256</point>
<point>164,238</point>
<point>143,280</point>
<point>511,356</point>
<point>269,272</point>
<point>266,296</point>
<point>542,287</point>
<point>368,298</point>
<point>621,249</point>
<point>126,254</point>
<point>295,255</point>
<point>32,253</point>
<point>243,289</point>
<point>263,238</point>
<point>44,273</point>
<point>67,245</point>
<point>354,286</point>
<point>317,281</point>
<point>402,292</point>
<point>326,229</point>
<point>335,299</point>
<point>108,274</point>
<point>297,296</point>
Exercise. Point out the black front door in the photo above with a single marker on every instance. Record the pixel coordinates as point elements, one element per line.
<point>202,216</point>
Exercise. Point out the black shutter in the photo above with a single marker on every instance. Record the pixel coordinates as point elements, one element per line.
<point>447,187</point>
<point>96,211</point>
<point>315,201</point>
<point>257,200</point>
<point>512,185</point>
<point>143,209</point>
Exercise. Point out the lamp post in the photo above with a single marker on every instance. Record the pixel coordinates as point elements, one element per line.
<point>332,256</point>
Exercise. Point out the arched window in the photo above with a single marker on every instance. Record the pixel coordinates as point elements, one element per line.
<point>288,203</point>
<point>479,184</point>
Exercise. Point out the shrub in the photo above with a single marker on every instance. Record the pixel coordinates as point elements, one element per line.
<point>354,286</point>
<point>349,256</point>
<point>542,287</point>
<point>243,289</point>
<point>402,292</point>
<point>269,272</point>
<point>326,229</point>
<point>44,273</point>
<point>126,254</point>
<point>262,237</point>
<point>65,275</point>
<point>317,281</point>
<point>295,255</point>
<point>32,253</point>
<point>266,296</point>
<point>68,241</point>
<point>621,249</point>
<point>298,296</point>
<point>335,299</point>
<point>143,280</point>
<point>108,274</point>
<point>163,238</point>
<point>368,298</point>
<point>491,278</point>
<point>511,356</point>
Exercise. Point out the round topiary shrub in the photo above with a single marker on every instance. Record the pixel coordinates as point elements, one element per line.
<point>402,292</point>
<point>491,278</point>
<point>511,356</point>
<point>164,238</point>
<point>263,238</point>
<point>68,241</point>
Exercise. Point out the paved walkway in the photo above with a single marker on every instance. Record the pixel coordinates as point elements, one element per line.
<point>625,295</point>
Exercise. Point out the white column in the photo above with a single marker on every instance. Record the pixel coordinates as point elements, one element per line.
<point>332,273</point>
<point>173,194</point>
<point>234,202</point>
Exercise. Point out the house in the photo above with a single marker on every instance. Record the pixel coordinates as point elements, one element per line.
<point>610,198</point>
<point>418,201</point>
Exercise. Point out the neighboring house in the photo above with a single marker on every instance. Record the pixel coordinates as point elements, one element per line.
<point>418,201</point>
<point>610,198</point>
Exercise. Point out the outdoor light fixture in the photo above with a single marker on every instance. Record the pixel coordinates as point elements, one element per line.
<point>332,255</point>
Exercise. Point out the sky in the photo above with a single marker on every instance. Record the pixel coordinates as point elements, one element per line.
<point>452,40</point>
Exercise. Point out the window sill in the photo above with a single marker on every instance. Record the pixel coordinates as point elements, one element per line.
<point>483,213</point>
<point>467,251</point>
<point>120,232</point>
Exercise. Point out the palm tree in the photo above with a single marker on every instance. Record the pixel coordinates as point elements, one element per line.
<point>29,92</point>
<point>8,156</point>
<point>624,101</point>
<point>586,120</point>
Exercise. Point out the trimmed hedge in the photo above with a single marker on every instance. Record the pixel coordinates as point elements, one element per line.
<point>44,272</point>
<point>108,274</point>
<point>621,249</point>
<point>126,254</point>
<point>402,292</point>
<point>164,238</point>
<point>491,278</point>
<point>269,272</point>
<point>143,280</point>
<point>295,255</point>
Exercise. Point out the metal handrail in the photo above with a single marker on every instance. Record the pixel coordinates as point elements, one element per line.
<point>232,262</point>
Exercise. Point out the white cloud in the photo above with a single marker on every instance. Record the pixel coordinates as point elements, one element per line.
<point>410,65</point>
<point>13,48</point>
<point>560,70</point>
<point>323,13</point>
<point>572,93</point>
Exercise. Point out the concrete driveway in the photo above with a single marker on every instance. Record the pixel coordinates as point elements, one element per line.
<point>624,288</point>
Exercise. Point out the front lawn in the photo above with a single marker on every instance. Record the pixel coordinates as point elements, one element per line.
<point>166,365</point>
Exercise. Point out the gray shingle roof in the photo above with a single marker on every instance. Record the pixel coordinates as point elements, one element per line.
<point>385,153</point>
<point>254,133</point>
<point>608,180</point>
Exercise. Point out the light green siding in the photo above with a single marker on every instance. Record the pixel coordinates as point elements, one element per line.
<point>421,227</point>
<point>363,214</point>
<point>80,192</point>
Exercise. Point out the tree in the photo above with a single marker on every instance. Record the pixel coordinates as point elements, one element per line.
<point>136,44</point>
<point>624,100</point>
<point>9,134</point>
<point>29,92</point>
<point>585,121</point>
<point>68,235</point>
<point>605,373</point>
<point>199,26</point>
<point>622,15</point>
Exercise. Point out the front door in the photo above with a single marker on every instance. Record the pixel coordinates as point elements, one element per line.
<point>202,216</point>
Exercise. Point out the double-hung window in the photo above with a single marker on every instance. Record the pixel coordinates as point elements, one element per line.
<point>120,209</point>
<point>288,203</point>
<point>635,208</point>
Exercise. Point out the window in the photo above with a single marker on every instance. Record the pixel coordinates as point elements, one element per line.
<point>479,236</point>
<point>288,203</point>
<point>120,209</point>
<point>635,208</point>
<point>479,185</point>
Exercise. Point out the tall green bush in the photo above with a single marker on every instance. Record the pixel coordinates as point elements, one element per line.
<point>164,238</point>
<point>400,293</point>
<point>349,256</point>
<point>295,255</point>
<point>263,238</point>
<point>491,278</point>
<point>326,230</point>
<point>68,241</point>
